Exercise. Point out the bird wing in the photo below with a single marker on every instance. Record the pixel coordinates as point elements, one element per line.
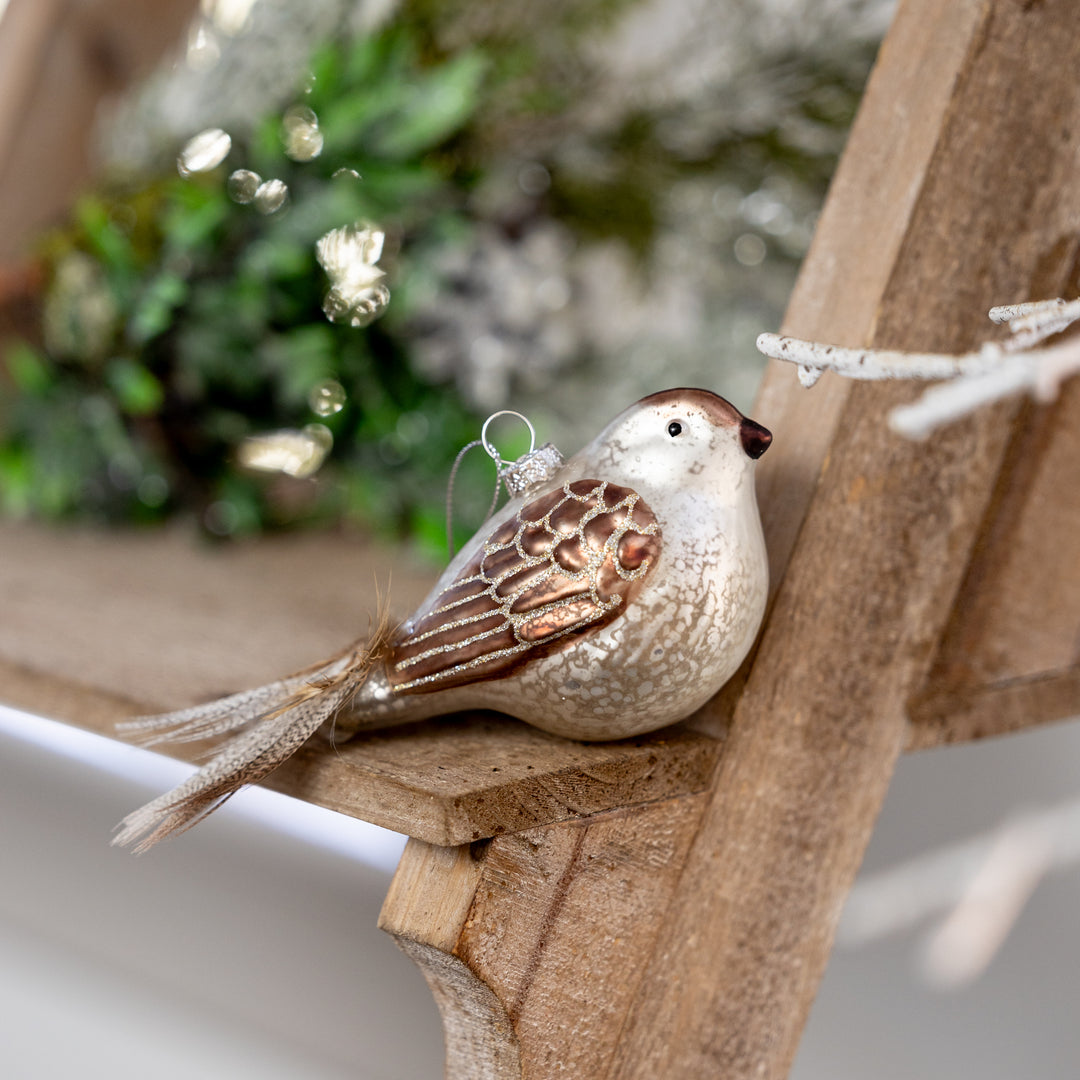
<point>567,563</point>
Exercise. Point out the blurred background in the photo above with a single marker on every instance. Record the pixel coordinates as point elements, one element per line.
<point>265,266</point>
<point>280,279</point>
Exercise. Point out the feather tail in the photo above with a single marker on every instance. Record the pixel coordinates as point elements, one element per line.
<point>212,719</point>
<point>278,719</point>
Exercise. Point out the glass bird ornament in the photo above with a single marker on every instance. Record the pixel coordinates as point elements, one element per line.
<point>612,596</point>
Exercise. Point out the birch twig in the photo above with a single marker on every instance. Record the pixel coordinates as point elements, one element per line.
<point>973,379</point>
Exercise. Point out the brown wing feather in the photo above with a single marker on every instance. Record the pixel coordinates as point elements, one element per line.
<point>566,564</point>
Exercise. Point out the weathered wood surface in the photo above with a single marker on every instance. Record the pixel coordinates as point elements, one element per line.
<point>955,193</point>
<point>524,940</point>
<point>105,626</point>
<point>474,776</point>
<point>881,555</point>
<point>99,626</point>
<point>1010,656</point>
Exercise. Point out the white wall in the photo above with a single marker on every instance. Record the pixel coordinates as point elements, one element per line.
<point>240,950</point>
<point>237,951</point>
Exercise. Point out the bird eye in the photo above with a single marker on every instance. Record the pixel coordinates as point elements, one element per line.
<point>674,428</point>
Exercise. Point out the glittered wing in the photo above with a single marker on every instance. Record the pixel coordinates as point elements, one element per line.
<point>566,564</point>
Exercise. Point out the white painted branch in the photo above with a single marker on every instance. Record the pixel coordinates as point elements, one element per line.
<point>1034,322</point>
<point>1055,366</point>
<point>977,378</point>
<point>950,401</point>
<point>874,364</point>
<point>1040,372</point>
<point>1009,313</point>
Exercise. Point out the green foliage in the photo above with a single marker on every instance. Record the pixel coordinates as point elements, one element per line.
<point>30,372</point>
<point>180,322</point>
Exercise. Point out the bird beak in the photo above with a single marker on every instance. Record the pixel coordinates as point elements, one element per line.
<point>755,439</point>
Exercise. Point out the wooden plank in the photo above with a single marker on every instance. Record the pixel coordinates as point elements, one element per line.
<point>165,619</point>
<point>878,563</point>
<point>24,35</point>
<point>522,939</point>
<point>883,166</point>
<point>475,776</point>
<point>917,241</point>
<point>863,224</point>
<point>485,1045</point>
<point>946,715</point>
<point>102,626</point>
<point>1010,657</point>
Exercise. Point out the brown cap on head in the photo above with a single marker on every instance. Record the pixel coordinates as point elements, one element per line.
<point>720,411</point>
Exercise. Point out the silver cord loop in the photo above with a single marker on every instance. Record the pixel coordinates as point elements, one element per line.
<point>450,492</point>
<point>531,468</point>
<point>492,452</point>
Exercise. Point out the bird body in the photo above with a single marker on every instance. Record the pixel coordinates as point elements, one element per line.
<point>610,599</point>
<point>684,633</point>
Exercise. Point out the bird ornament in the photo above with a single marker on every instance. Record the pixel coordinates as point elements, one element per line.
<point>613,594</point>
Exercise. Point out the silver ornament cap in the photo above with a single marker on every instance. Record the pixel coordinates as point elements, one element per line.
<point>536,467</point>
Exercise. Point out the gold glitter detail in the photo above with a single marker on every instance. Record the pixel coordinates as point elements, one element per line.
<point>522,595</point>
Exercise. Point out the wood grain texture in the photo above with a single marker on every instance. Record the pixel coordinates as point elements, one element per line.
<point>862,227</point>
<point>933,218</point>
<point>99,627</point>
<point>1010,656</point>
<point>480,1044</point>
<point>863,224</point>
<point>944,715</point>
<point>427,910</point>
<point>165,619</point>
<point>878,562</point>
<point>686,936</point>
<point>474,776</point>
<point>549,924</point>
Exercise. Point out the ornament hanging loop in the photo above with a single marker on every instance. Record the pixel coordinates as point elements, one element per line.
<point>492,451</point>
<point>536,466</point>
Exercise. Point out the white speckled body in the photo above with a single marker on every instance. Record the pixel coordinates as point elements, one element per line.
<point>682,637</point>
